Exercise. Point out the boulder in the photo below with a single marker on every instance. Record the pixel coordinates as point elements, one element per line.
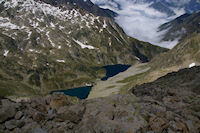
<point>191,126</point>
<point>47,99</point>
<point>18,115</point>
<point>73,113</point>
<point>14,124</point>
<point>38,117</point>
<point>39,104</point>
<point>32,128</point>
<point>58,100</point>
<point>65,114</point>
<point>7,110</point>
<point>157,124</point>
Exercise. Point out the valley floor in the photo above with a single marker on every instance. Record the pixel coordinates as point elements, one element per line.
<point>114,84</point>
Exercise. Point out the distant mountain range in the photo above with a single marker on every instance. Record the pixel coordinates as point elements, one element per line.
<point>181,27</point>
<point>168,7</point>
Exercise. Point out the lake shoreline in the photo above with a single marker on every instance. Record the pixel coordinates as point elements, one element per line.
<point>84,91</point>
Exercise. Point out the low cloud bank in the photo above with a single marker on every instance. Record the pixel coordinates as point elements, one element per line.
<point>139,20</point>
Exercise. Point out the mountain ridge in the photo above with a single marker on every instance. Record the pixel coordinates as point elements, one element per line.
<point>84,4</point>
<point>181,27</point>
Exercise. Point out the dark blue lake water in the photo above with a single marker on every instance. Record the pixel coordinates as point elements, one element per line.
<point>80,92</point>
<point>112,70</point>
<point>83,92</point>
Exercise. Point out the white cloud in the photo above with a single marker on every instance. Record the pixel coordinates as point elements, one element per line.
<point>140,21</point>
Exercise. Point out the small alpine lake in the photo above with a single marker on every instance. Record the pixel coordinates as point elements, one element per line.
<point>112,70</point>
<point>80,92</point>
<point>83,92</point>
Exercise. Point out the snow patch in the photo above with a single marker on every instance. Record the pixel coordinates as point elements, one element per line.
<point>63,61</point>
<point>104,25</point>
<point>101,30</point>
<point>51,42</point>
<point>83,45</point>
<point>33,50</point>
<point>87,24</point>
<point>110,42</point>
<point>52,25</point>
<point>6,53</point>
<point>137,58</point>
<point>61,27</point>
<point>9,25</point>
<point>192,65</point>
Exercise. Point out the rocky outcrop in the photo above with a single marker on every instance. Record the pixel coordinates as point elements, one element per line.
<point>40,114</point>
<point>116,114</point>
<point>170,104</point>
<point>175,99</point>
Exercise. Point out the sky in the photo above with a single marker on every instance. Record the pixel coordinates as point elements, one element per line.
<point>140,21</point>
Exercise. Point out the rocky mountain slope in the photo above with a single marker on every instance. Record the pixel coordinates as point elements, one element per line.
<point>170,104</point>
<point>181,56</point>
<point>83,4</point>
<point>181,27</point>
<point>184,55</point>
<point>45,47</point>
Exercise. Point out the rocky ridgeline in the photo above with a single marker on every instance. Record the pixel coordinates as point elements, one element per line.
<point>59,113</point>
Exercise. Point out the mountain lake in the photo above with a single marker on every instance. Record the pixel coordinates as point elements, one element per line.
<point>83,92</point>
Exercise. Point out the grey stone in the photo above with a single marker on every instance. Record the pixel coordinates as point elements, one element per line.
<point>48,99</point>
<point>38,117</point>
<point>33,128</point>
<point>65,114</point>
<point>38,130</point>
<point>18,115</point>
<point>13,124</point>
<point>7,110</point>
<point>191,126</point>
